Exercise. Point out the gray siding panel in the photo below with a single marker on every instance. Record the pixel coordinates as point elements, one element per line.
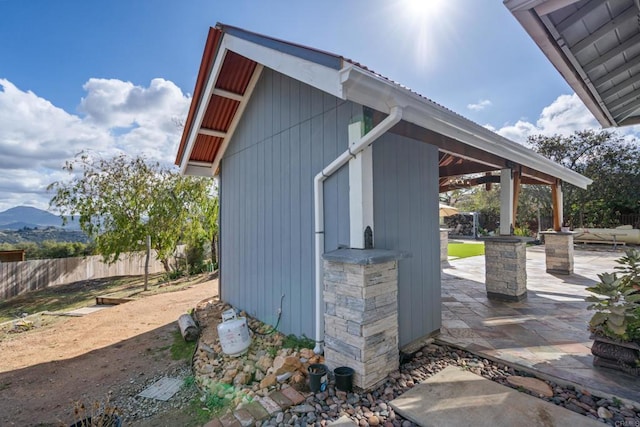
<point>288,133</point>
<point>406,218</point>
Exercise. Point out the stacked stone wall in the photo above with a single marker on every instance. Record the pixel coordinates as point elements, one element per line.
<point>361,319</point>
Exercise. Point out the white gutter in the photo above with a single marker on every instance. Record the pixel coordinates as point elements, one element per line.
<point>364,88</point>
<point>318,208</point>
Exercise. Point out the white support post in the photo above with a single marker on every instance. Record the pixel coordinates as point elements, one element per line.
<point>506,202</point>
<point>360,189</point>
<point>558,213</point>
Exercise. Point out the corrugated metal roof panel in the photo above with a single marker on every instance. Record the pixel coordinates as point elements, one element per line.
<point>210,50</point>
<point>205,148</point>
<point>219,113</point>
<point>235,73</point>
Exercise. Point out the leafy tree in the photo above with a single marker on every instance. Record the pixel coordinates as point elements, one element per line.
<point>122,200</point>
<point>613,164</point>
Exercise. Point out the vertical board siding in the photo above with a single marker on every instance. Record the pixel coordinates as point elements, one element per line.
<point>405,180</point>
<point>288,133</point>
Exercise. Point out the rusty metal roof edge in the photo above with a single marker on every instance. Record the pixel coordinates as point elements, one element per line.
<point>214,38</point>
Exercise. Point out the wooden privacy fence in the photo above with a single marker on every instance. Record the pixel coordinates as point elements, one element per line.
<point>24,276</point>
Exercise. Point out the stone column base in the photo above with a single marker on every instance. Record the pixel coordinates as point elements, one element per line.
<point>444,245</point>
<point>558,251</point>
<point>506,267</point>
<point>361,313</point>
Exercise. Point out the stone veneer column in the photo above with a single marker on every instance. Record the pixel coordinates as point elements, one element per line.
<point>505,267</point>
<point>361,313</point>
<point>444,245</point>
<point>558,251</point>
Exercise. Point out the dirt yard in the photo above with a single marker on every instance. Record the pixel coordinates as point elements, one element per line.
<point>44,371</point>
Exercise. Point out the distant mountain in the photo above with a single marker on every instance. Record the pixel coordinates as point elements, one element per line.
<point>30,217</point>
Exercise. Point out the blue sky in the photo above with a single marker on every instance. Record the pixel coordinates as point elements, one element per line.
<point>117,75</point>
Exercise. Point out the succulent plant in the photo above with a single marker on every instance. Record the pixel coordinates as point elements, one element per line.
<point>617,303</point>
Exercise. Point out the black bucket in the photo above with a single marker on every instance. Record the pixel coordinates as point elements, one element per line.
<point>344,378</point>
<point>317,377</point>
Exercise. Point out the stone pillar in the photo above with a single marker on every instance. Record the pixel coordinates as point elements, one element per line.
<point>505,268</point>
<point>558,251</point>
<point>361,313</point>
<point>444,245</point>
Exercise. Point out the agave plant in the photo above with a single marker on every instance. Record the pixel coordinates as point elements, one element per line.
<point>617,305</point>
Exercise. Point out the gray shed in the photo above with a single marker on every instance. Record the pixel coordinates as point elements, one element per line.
<point>316,153</point>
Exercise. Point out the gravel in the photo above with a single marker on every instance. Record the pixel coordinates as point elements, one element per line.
<point>365,409</point>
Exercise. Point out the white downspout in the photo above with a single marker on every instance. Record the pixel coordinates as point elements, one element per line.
<point>318,209</point>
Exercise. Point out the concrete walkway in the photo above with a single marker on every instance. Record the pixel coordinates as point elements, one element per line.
<point>545,334</point>
<point>461,398</point>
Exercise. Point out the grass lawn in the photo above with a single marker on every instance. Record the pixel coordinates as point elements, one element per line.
<point>465,250</point>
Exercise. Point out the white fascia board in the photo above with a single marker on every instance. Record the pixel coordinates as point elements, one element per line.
<point>308,72</point>
<point>363,87</point>
<point>203,103</point>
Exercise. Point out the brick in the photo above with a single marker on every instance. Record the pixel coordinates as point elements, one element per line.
<point>293,395</point>
<point>269,405</point>
<point>244,417</point>
<point>257,411</point>
<point>213,423</point>
<point>281,400</point>
<point>228,420</point>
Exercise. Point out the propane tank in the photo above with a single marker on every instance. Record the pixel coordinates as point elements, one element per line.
<point>234,334</point>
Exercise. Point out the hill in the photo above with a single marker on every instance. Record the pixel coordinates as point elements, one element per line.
<point>39,235</point>
<point>30,217</point>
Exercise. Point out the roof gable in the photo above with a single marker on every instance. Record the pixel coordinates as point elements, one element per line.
<point>231,66</point>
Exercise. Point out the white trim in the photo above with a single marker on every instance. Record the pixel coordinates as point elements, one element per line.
<point>226,94</point>
<point>506,202</point>
<point>311,73</point>
<point>360,189</point>
<point>212,132</point>
<point>203,103</point>
<point>236,118</point>
<point>376,92</point>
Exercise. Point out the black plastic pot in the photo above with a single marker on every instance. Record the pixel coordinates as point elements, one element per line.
<point>317,377</point>
<point>344,378</point>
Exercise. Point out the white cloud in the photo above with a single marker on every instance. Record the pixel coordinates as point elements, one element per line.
<point>36,137</point>
<point>564,116</point>
<point>480,105</point>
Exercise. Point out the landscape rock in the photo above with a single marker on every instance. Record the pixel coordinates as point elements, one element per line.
<point>268,381</point>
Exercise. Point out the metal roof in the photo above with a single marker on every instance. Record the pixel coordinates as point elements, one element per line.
<point>232,63</point>
<point>595,44</point>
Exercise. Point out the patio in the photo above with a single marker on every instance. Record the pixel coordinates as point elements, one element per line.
<point>545,334</point>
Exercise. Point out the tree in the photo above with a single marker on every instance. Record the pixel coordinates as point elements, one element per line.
<point>612,162</point>
<point>120,201</point>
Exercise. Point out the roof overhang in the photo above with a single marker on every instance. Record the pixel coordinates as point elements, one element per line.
<point>595,45</point>
<point>222,82</point>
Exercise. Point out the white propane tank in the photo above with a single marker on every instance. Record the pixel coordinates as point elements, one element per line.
<point>234,334</point>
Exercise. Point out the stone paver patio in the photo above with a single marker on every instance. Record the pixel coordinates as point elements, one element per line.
<point>546,333</point>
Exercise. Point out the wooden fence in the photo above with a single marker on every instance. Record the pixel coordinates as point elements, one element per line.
<point>25,276</point>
